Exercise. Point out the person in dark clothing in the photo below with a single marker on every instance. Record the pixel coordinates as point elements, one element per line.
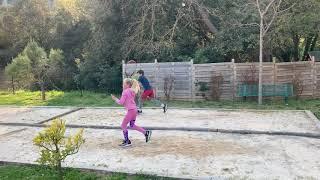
<point>148,93</point>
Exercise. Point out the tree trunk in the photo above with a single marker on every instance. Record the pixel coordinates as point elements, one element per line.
<point>307,46</point>
<point>260,61</point>
<point>314,42</point>
<point>59,168</point>
<point>296,47</point>
<point>12,84</point>
<point>79,87</point>
<point>43,91</point>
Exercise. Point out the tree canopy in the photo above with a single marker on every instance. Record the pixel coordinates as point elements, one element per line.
<point>100,34</point>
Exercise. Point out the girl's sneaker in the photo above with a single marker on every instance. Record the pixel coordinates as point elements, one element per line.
<point>125,143</point>
<point>148,135</point>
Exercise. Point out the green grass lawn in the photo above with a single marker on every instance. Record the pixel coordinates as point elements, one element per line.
<point>14,172</point>
<point>59,98</point>
<point>55,98</point>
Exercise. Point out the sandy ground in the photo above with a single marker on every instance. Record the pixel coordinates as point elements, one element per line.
<point>29,115</point>
<point>7,130</point>
<point>197,155</point>
<point>289,121</point>
<point>185,154</point>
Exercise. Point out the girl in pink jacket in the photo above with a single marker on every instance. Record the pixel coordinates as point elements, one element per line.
<point>130,89</point>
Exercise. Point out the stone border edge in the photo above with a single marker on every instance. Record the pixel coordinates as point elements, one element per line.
<point>313,118</point>
<point>174,108</point>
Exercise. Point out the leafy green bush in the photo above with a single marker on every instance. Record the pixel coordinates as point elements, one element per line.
<point>55,146</point>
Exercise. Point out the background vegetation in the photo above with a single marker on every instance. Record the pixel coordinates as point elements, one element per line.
<point>94,36</point>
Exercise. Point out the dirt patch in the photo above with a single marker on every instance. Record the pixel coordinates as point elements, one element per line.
<point>191,147</point>
<point>29,115</point>
<point>200,155</point>
<point>13,111</point>
<point>185,146</point>
<point>12,132</point>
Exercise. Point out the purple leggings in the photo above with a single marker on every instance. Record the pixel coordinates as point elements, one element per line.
<point>130,118</point>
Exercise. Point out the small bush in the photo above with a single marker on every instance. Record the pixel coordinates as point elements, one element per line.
<point>297,83</point>
<point>215,90</point>
<point>55,146</point>
<point>250,76</point>
<point>168,86</point>
<point>203,88</point>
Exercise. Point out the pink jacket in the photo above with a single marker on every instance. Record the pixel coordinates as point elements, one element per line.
<point>127,99</point>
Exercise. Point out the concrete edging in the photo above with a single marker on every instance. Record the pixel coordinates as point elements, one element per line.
<point>60,115</point>
<point>314,118</point>
<point>12,132</point>
<point>212,130</point>
<point>174,108</point>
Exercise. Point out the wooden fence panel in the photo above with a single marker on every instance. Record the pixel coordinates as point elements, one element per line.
<point>157,72</point>
<point>299,71</point>
<point>205,73</point>
<point>187,75</point>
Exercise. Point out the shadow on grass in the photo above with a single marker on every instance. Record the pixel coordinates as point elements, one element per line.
<point>74,98</point>
<point>55,98</point>
<point>45,172</point>
<point>21,98</point>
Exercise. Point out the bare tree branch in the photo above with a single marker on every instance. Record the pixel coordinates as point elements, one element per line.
<point>152,22</point>
<point>268,6</point>
<point>268,25</point>
<point>247,24</point>
<point>282,11</point>
<point>258,6</point>
<point>276,12</point>
<point>179,16</point>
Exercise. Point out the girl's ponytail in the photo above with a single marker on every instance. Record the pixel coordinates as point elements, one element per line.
<point>135,86</point>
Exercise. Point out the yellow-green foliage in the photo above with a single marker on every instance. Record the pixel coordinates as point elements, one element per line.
<point>55,146</point>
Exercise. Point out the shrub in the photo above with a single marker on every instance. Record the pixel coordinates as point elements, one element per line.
<point>55,146</point>
<point>203,88</point>
<point>297,83</point>
<point>215,90</point>
<point>168,86</point>
<point>250,76</point>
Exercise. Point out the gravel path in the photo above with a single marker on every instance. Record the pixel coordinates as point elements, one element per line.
<point>197,155</point>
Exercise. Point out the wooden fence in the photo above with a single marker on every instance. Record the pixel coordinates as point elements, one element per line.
<point>186,75</point>
<point>181,72</point>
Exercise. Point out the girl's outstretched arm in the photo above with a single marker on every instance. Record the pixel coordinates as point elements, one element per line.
<point>121,100</point>
<point>113,97</point>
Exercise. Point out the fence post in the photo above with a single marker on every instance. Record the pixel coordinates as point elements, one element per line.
<point>123,69</point>
<point>275,70</point>
<point>156,81</point>
<point>192,74</point>
<point>174,78</point>
<point>234,68</point>
<point>293,74</point>
<point>313,76</point>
